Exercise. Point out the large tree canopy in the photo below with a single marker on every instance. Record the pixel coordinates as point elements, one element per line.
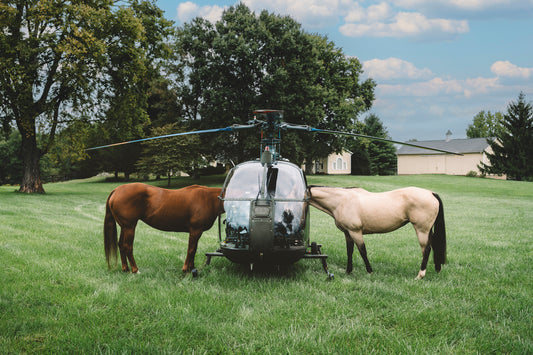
<point>57,58</point>
<point>246,62</point>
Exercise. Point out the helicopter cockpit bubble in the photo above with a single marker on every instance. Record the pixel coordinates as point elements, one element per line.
<point>266,213</point>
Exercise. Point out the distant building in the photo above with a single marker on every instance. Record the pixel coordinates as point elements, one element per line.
<point>334,164</point>
<point>413,160</point>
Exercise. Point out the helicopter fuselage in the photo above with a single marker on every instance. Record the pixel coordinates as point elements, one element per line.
<point>266,213</point>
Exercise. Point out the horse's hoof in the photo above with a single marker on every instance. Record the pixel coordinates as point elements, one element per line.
<point>194,272</point>
<point>421,275</point>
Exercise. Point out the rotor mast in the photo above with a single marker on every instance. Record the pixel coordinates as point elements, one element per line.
<point>270,123</point>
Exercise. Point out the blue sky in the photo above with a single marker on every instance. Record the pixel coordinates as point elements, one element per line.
<point>437,63</point>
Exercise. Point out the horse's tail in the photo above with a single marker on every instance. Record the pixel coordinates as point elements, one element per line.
<point>110,235</point>
<point>438,242</point>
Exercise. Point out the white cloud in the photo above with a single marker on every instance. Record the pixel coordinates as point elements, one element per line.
<point>510,70</point>
<point>468,8</point>
<point>394,68</point>
<point>189,10</point>
<point>439,86</point>
<point>460,4</point>
<point>373,13</point>
<point>311,13</point>
<point>407,24</point>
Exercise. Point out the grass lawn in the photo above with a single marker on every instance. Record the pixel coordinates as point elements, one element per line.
<point>57,295</point>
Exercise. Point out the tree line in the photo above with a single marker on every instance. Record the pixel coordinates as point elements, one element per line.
<point>75,75</point>
<point>80,74</point>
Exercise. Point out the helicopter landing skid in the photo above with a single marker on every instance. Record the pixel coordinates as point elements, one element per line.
<point>210,255</point>
<point>316,253</point>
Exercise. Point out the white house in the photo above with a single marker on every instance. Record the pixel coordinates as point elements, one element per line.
<point>334,164</point>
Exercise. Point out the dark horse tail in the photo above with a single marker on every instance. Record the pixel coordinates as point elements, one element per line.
<point>438,242</point>
<point>110,235</point>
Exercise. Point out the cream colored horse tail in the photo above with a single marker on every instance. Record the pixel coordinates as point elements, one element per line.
<point>438,242</point>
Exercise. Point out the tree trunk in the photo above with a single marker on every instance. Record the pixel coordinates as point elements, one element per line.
<point>31,155</point>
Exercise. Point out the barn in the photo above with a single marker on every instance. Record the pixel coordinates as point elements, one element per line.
<point>412,160</point>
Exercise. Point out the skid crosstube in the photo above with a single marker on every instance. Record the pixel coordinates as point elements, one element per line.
<point>314,253</point>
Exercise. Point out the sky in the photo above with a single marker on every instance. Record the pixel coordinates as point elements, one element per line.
<point>437,63</point>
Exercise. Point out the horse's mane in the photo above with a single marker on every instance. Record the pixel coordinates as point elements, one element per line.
<point>309,187</point>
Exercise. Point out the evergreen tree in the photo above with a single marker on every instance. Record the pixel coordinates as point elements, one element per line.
<point>513,149</point>
<point>373,157</point>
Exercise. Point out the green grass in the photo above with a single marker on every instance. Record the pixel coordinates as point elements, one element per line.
<point>57,295</point>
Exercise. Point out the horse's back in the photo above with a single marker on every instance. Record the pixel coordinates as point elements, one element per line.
<point>379,212</point>
<point>128,203</point>
<point>165,209</point>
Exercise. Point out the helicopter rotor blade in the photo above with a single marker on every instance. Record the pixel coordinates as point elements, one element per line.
<point>318,130</point>
<point>231,128</point>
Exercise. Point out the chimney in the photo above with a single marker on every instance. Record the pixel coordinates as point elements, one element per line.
<point>448,136</point>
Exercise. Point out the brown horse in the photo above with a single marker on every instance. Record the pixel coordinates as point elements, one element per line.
<point>357,212</point>
<point>191,209</point>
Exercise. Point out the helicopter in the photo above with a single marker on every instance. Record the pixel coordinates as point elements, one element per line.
<point>266,200</point>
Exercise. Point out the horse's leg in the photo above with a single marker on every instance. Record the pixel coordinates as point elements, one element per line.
<point>349,252</point>
<point>194,236</point>
<point>425,245</point>
<point>123,257</point>
<point>357,237</point>
<point>125,244</point>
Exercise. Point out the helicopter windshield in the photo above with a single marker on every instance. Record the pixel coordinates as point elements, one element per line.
<point>283,188</point>
<point>283,181</point>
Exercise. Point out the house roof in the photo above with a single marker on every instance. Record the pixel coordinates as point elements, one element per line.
<point>463,146</point>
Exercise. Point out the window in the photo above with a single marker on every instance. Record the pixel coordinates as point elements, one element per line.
<point>339,164</point>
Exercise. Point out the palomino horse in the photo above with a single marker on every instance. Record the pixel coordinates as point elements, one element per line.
<point>191,209</point>
<point>358,212</point>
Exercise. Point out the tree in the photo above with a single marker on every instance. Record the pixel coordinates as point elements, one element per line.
<point>67,154</point>
<point>169,155</point>
<point>246,62</point>
<point>373,157</point>
<point>10,159</point>
<point>485,124</point>
<point>141,31</point>
<point>48,53</point>
<point>53,61</point>
<point>513,147</point>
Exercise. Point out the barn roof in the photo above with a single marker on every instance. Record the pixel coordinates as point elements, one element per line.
<point>463,146</point>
